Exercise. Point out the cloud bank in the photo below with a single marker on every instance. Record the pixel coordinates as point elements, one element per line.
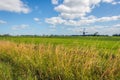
<point>2,22</point>
<point>84,21</point>
<point>74,12</point>
<point>20,27</point>
<point>14,6</point>
<point>54,2</point>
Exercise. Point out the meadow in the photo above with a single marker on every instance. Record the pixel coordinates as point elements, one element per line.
<point>60,58</point>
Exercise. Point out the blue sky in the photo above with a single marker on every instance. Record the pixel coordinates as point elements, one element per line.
<point>59,17</point>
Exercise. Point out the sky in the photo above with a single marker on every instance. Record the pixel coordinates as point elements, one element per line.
<point>59,17</point>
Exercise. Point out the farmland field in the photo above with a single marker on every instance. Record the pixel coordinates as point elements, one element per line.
<point>60,58</point>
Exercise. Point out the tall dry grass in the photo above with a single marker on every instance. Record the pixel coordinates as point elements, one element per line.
<point>49,62</point>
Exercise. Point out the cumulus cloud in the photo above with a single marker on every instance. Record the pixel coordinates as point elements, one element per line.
<point>117,25</point>
<point>14,6</point>
<point>71,9</point>
<point>55,20</point>
<point>20,27</point>
<point>115,3</point>
<point>73,12</point>
<point>2,22</point>
<point>112,2</point>
<point>36,19</point>
<point>108,1</point>
<point>103,30</point>
<point>84,21</point>
<point>54,2</point>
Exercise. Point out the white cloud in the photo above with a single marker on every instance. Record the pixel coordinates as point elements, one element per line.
<point>108,1</point>
<point>115,3</point>
<point>20,27</point>
<point>54,2</point>
<point>14,6</point>
<point>112,18</point>
<point>76,9</point>
<point>52,29</point>
<point>103,30</point>
<point>112,2</point>
<point>74,13</point>
<point>36,19</point>
<point>117,25</point>
<point>80,22</point>
<point>55,20</point>
<point>2,22</point>
<point>72,9</point>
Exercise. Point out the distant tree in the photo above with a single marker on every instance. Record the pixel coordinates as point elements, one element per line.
<point>116,35</point>
<point>6,35</point>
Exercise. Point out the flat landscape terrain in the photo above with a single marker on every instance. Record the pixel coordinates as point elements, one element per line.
<point>60,58</point>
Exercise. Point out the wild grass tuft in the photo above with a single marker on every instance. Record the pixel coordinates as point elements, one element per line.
<point>20,61</point>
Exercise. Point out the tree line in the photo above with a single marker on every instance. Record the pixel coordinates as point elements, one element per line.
<point>55,35</point>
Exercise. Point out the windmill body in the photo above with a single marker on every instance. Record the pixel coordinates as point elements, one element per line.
<point>84,32</point>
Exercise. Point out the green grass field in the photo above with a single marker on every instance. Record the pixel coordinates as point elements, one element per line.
<point>60,58</point>
<point>111,43</point>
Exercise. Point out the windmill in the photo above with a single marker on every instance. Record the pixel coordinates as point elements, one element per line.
<point>84,32</point>
<point>96,33</point>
